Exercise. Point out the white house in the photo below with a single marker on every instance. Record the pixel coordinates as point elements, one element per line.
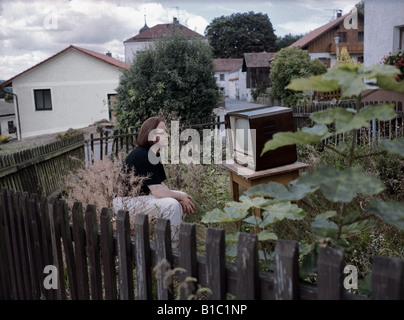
<point>227,76</point>
<point>71,89</point>
<point>384,29</point>
<point>146,36</point>
<point>7,119</point>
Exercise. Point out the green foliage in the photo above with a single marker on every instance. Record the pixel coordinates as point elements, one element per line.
<point>341,185</point>
<point>396,60</point>
<point>286,40</point>
<point>232,36</point>
<point>5,139</point>
<point>344,57</point>
<point>288,64</point>
<point>336,184</point>
<point>174,75</point>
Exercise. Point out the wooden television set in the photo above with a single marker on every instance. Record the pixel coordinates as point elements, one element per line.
<point>246,145</point>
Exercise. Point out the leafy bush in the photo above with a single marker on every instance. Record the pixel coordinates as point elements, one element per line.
<point>5,139</point>
<point>290,63</point>
<point>397,60</point>
<point>176,75</point>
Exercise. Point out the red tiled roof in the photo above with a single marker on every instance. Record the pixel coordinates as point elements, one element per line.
<point>103,57</point>
<point>304,41</point>
<point>227,64</point>
<point>160,30</point>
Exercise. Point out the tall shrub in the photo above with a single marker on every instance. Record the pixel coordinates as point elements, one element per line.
<point>176,74</point>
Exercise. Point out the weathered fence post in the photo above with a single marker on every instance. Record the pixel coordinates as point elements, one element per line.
<point>107,253</point>
<point>68,248</point>
<point>187,259</point>
<point>142,257</point>
<point>330,266</point>
<point>79,236</point>
<point>247,267</point>
<point>124,256</point>
<point>216,264</point>
<point>286,270</point>
<point>387,278</point>
<point>93,252</point>
<point>5,275</point>
<point>56,247</point>
<point>164,259</point>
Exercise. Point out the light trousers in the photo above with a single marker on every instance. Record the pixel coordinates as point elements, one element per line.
<point>167,208</point>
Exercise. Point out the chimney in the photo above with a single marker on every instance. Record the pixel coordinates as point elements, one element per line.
<point>109,54</point>
<point>339,14</point>
<point>175,21</point>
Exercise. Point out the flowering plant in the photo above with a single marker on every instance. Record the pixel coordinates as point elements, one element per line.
<point>396,60</point>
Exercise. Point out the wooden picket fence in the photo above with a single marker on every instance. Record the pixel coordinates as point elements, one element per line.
<point>41,169</point>
<point>106,259</point>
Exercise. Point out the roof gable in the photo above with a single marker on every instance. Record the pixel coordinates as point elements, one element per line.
<point>160,30</point>
<point>311,36</point>
<point>102,57</point>
<point>257,60</point>
<point>227,64</point>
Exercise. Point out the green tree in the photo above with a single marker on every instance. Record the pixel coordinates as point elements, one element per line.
<point>286,40</point>
<point>290,63</point>
<point>232,36</point>
<point>174,75</point>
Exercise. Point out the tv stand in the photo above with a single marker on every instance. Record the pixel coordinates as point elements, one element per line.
<point>246,177</point>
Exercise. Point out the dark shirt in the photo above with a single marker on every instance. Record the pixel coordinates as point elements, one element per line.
<point>139,160</point>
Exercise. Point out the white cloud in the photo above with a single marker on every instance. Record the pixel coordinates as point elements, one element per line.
<point>293,26</point>
<point>32,30</point>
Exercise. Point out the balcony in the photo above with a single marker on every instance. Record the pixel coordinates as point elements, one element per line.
<point>353,47</point>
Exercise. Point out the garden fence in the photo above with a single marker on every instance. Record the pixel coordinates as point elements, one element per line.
<point>377,130</point>
<point>41,170</point>
<point>107,259</point>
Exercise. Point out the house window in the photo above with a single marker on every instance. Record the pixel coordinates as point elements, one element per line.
<point>43,100</point>
<point>401,44</point>
<point>221,77</point>
<point>360,59</point>
<point>11,127</point>
<point>342,37</point>
<point>360,36</point>
<point>325,61</point>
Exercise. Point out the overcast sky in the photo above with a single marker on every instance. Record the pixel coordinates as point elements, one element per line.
<point>33,30</point>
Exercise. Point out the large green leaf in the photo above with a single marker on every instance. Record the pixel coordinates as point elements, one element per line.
<point>349,77</point>
<point>279,192</point>
<point>395,146</point>
<point>322,228</point>
<point>346,120</point>
<point>229,214</point>
<point>385,77</point>
<point>266,235</point>
<point>316,83</point>
<point>304,136</point>
<point>283,210</point>
<point>341,185</point>
<point>382,112</point>
<point>391,212</point>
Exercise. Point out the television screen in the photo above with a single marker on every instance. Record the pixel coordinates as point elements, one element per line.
<point>242,127</point>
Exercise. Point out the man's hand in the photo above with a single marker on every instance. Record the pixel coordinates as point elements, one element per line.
<point>187,206</point>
